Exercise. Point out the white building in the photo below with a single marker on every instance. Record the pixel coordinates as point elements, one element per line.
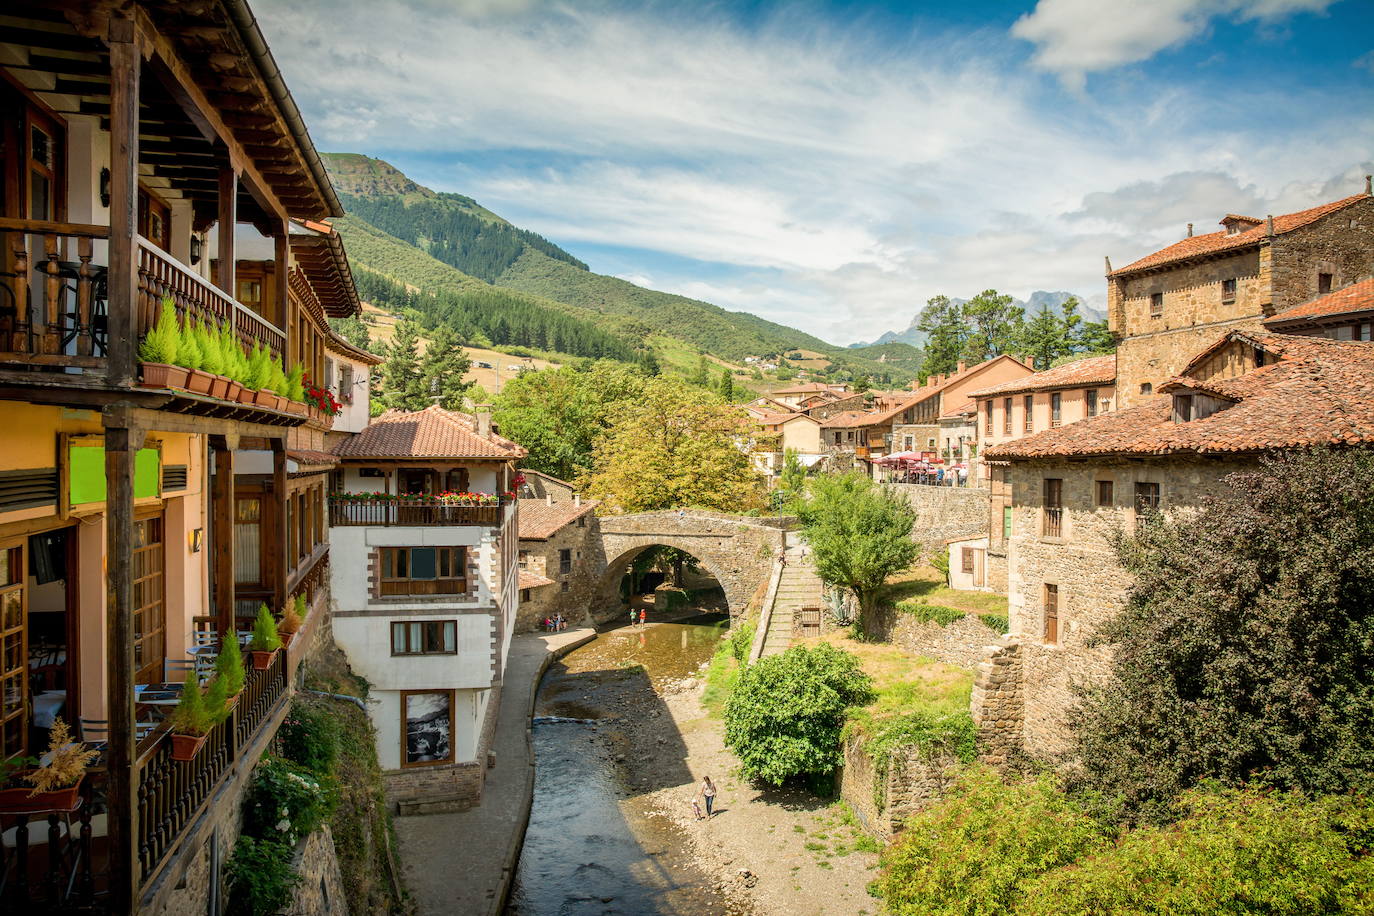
<point>424,544</point>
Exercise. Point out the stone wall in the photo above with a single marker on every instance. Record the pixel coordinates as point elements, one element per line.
<point>883,798</point>
<point>572,593</point>
<point>321,891</point>
<point>448,787</point>
<point>1330,245</point>
<point>964,642</point>
<point>997,706</point>
<point>945,513</point>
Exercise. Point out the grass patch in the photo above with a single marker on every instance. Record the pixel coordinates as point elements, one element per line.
<point>998,623</point>
<point>721,677</point>
<point>814,846</point>
<point>866,843</point>
<point>931,613</point>
<point>925,585</point>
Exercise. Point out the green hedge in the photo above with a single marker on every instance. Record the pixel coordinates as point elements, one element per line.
<point>998,623</point>
<point>926,613</point>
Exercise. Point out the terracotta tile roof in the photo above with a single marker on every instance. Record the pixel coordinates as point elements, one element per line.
<point>540,521</point>
<point>1216,242</point>
<point>309,458</point>
<point>429,433</point>
<point>1319,391</point>
<point>1091,370</point>
<point>1357,297</point>
<point>532,580</point>
<point>805,388</point>
<point>852,418</point>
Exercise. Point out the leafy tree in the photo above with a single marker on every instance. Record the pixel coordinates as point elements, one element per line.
<point>353,330</point>
<point>558,414</point>
<point>996,325</point>
<point>443,367</point>
<point>862,384</point>
<point>400,371</point>
<point>726,388</point>
<point>786,714</point>
<point>1094,337</point>
<point>674,446</point>
<point>946,331</point>
<point>860,533</point>
<point>702,376</point>
<point>792,480</point>
<point>1244,650</point>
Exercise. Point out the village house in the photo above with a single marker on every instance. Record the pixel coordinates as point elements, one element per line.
<point>779,433</point>
<point>424,534</point>
<point>1073,486</point>
<point>559,536</point>
<point>1167,305</point>
<point>794,395</point>
<point>1346,314</point>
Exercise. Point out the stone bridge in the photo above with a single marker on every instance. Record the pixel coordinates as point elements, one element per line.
<point>737,550</point>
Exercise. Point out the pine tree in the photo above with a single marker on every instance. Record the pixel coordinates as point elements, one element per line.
<point>726,386</point>
<point>443,367</point>
<point>702,376</point>
<point>400,372</point>
<point>946,331</point>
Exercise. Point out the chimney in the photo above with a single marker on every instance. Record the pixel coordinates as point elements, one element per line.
<point>963,366</point>
<point>1369,186</point>
<point>577,499</point>
<point>1190,230</point>
<point>1269,221</point>
<point>1108,260</point>
<point>548,499</point>
<point>482,414</point>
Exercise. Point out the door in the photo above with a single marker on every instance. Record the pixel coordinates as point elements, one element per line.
<point>150,609</point>
<point>14,651</point>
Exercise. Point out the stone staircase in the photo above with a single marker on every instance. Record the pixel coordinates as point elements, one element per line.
<point>798,587</point>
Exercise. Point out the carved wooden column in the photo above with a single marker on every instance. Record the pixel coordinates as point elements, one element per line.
<point>282,265</point>
<point>228,219</point>
<point>280,501</point>
<point>125,72</point>
<point>222,510</point>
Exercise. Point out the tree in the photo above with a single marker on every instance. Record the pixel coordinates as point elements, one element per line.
<point>674,446</point>
<point>1244,649</point>
<point>726,388</point>
<point>702,376</point>
<point>946,331</point>
<point>442,369</point>
<point>996,325</point>
<point>785,715</point>
<point>792,480</point>
<point>400,370</point>
<point>353,330</point>
<point>860,533</point>
<point>1095,337</point>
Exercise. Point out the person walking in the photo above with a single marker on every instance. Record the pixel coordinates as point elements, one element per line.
<point>634,618</point>
<point>643,617</point>
<point>708,791</point>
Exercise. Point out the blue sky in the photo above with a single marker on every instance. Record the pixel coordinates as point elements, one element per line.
<point>834,165</point>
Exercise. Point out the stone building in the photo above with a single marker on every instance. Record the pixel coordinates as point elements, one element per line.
<point>1347,314</point>
<point>1167,305</point>
<point>1072,487</point>
<point>558,553</point>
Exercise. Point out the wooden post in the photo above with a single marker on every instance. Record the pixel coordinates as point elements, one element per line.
<point>123,270</point>
<point>222,511</point>
<point>281,319</point>
<point>121,442</point>
<point>279,520</point>
<point>228,219</point>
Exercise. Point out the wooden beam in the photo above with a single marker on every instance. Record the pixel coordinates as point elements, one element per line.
<point>281,267</point>
<point>125,73</point>
<point>228,219</point>
<point>222,534</point>
<point>279,520</point>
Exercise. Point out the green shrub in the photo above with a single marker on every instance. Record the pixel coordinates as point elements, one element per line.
<point>276,377</point>
<point>235,362</point>
<point>741,640</point>
<point>261,879</point>
<point>927,613</point>
<point>265,637</point>
<point>309,736</point>
<point>940,561</point>
<point>998,623</point>
<point>295,383</point>
<point>189,352</point>
<point>193,715</point>
<point>259,374</point>
<point>229,665</point>
<point>972,852</point>
<point>211,353</point>
<point>161,343</point>
<point>286,801</point>
<point>1235,851</point>
<point>785,716</point>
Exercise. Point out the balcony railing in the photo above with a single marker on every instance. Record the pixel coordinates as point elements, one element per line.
<point>394,511</point>
<point>54,299</point>
<point>1054,522</point>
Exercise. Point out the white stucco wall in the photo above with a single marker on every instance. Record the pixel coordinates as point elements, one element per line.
<point>481,479</point>
<point>469,708</point>
<point>353,417</point>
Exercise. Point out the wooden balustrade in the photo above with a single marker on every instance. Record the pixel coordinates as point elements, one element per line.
<point>53,298</point>
<point>160,275</point>
<point>396,511</point>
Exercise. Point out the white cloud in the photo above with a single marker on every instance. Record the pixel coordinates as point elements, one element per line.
<point>1078,37</point>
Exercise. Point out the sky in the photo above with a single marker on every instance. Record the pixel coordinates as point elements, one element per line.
<point>834,165</point>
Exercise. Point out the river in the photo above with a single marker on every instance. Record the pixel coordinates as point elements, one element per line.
<point>594,845</point>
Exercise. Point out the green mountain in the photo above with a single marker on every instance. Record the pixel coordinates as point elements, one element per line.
<point>437,241</point>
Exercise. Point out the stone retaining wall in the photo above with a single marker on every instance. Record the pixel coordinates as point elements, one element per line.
<point>998,707</point>
<point>946,513</point>
<point>965,642</point>
<point>883,799</point>
<point>321,891</point>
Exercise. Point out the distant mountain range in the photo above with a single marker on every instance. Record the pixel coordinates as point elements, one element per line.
<point>1088,308</point>
<point>416,238</point>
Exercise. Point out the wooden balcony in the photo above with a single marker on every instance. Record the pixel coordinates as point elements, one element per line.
<point>398,511</point>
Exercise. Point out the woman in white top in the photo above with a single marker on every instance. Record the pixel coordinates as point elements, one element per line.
<point>708,790</point>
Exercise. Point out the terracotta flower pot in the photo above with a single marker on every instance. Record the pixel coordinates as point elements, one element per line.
<point>286,638</point>
<point>234,388</point>
<point>262,660</point>
<point>231,702</point>
<point>162,375</point>
<point>199,381</point>
<point>298,408</point>
<point>19,801</point>
<point>267,398</point>
<point>219,387</point>
<point>247,396</point>
<point>186,747</point>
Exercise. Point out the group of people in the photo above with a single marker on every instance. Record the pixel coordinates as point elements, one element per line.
<point>638,617</point>
<point>937,477</point>
<point>555,623</point>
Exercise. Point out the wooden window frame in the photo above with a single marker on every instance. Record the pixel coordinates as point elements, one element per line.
<point>18,714</point>
<point>1228,290</point>
<point>153,667</point>
<point>987,417</point>
<point>405,750</point>
<point>408,651</point>
<point>1006,418</point>
<point>1156,305</point>
<point>389,583</point>
<point>1050,633</point>
<point>966,560</point>
<point>1052,525</point>
<point>1028,401</point>
<point>1146,500</point>
<point>1090,402</point>
<point>1056,409</point>
<point>565,561</point>
<point>1104,493</point>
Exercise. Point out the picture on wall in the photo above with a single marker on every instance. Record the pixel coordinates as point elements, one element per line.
<point>429,724</point>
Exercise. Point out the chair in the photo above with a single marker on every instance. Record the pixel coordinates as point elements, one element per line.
<point>96,732</point>
<point>174,670</point>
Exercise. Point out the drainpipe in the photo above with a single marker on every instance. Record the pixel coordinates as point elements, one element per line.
<point>337,696</point>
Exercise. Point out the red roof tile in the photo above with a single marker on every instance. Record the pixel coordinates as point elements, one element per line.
<point>310,458</point>
<point>1216,242</point>
<point>540,521</point>
<point>1092,370</point>
<point>1320,391</point>
<point>1357,297</point>
<point>429,433</point>
<point>532,580</point>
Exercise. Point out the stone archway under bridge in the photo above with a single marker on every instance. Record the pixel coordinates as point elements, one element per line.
<point>738,551</point>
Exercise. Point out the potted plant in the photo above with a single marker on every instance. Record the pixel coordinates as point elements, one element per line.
<point>198,381</point>
<point>235,366</point>
<point>212,360</point>
<point>265,642</point>
<point>57,783</point>
<point>229,669</point>
<point>191,720</point>
<point>260,377</point>
<point>159,351</point>
<point>292,619</point>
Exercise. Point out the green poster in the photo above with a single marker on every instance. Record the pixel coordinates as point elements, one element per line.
<point>87,473</point>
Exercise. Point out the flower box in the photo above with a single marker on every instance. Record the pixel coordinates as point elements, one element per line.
<point>297,408</point>
<point>198,381</point>
<point>163,375</point>
<point>219,387</point>
<point>262,660</point>
<point>266,397</point>
<point>22,801</point>
<point>234,390</point>
<point>186,747</point>
<point>247,396</point>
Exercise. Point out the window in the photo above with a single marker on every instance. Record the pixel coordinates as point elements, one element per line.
<point>1228,290</point>
<point>1028,404</point>
<point>837,437</point>
<point>14,674</point>
<point>346,383</point>
<point>908,443</point>
<point>582,521</point>
<point>966,560</point>
<point>1183,408</point>
<point>370,472</point>
<point>849,436</point>
<point>1054,507</point>
<point>1051,614</point>
<point>1105,495</point>
<point>329,373</point>
<point>426,738</point>
<point>1056,413</point>
<point>564,562</point>
<point>1156,305</point>
<point>425,637</point>
<point>1090,402</point>
<point>523,557</point>
<point>1323,284</point>
<point>150,615</point>
<point>1006,416</point>
<point>1146,497</point>
<point>563,586</point>
<point>1147,388</point>
<point>987,418</point>
<point>423,571</point>
<point>525,596</point>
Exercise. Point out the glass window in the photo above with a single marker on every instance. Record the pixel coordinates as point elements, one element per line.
<point>1056,414</point>
<point>423,571</point>
<point>426,637</point>
<point>1006,416</point>
<point>1028,405</point>
<point>1090,399</point>
<point>1228,290</point>
<point>13,657</point>
<point>1146,497</point>
<point>1105,494</point>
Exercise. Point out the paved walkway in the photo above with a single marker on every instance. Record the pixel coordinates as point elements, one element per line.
<point>463,862</point>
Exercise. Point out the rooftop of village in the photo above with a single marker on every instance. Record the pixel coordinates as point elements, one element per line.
<point>1090,370</point>
<point>430,433</point>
